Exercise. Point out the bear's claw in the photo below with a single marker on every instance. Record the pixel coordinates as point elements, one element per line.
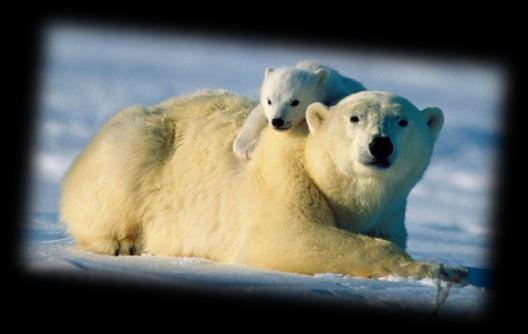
<point>452,273</point>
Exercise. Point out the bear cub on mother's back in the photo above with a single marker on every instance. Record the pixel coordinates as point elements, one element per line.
<point>285,93</point>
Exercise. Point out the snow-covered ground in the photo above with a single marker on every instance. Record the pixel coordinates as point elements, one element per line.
<point>89,73</point>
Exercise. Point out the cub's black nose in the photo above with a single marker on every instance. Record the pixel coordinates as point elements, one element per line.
<point>277,122</point>
<point>381,147</point>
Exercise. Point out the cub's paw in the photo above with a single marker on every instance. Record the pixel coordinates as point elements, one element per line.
<point>243,148</point>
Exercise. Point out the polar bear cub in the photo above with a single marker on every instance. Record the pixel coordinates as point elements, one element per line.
<point>285,94</point>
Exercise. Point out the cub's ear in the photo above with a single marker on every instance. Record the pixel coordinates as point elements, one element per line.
<point>322,75</point>
<point>267,71</point>
<point>435,120</point>
<point>316,114</point>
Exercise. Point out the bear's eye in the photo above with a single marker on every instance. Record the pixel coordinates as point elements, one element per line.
<point>269,102</point>
<point>294,103</point>
<point>354,119</point>
<point>403,123</point>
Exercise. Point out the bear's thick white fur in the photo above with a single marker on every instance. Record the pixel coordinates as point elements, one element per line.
<point>305,83</point>
<point>164,180</point>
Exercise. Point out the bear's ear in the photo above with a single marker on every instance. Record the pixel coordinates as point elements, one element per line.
<point>435,120</point>
<point>267,71</point>
<point>322,75</point>
<point>316,114</point>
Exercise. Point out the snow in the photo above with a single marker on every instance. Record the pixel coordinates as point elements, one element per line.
<point>89,73</point>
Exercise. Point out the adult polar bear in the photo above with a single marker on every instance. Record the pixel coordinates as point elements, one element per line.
<point>164,180</point>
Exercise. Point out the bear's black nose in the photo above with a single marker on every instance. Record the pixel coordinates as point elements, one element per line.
<point>381,147</point>
<point>277,122</point>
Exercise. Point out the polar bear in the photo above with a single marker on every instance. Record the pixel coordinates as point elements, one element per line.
<point>327,197</point>
<point>285,93</point>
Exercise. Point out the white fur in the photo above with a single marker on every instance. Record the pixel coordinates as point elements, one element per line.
<point>380,194</point>
<point>306,83</point>
<point>164,180</point>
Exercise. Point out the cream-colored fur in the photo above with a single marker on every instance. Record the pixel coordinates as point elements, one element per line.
<point>165,180</point>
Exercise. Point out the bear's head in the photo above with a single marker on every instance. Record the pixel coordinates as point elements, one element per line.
<point>374,135</point>
<point>285,94</point>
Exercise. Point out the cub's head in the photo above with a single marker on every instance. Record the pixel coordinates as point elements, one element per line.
<point>376,134</point>
<point>286,93</point>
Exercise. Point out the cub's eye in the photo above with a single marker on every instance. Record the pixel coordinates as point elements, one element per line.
<point>403,123</point>
<point>294,103</point>
<point>354,119</point>
<point>269,102</point>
